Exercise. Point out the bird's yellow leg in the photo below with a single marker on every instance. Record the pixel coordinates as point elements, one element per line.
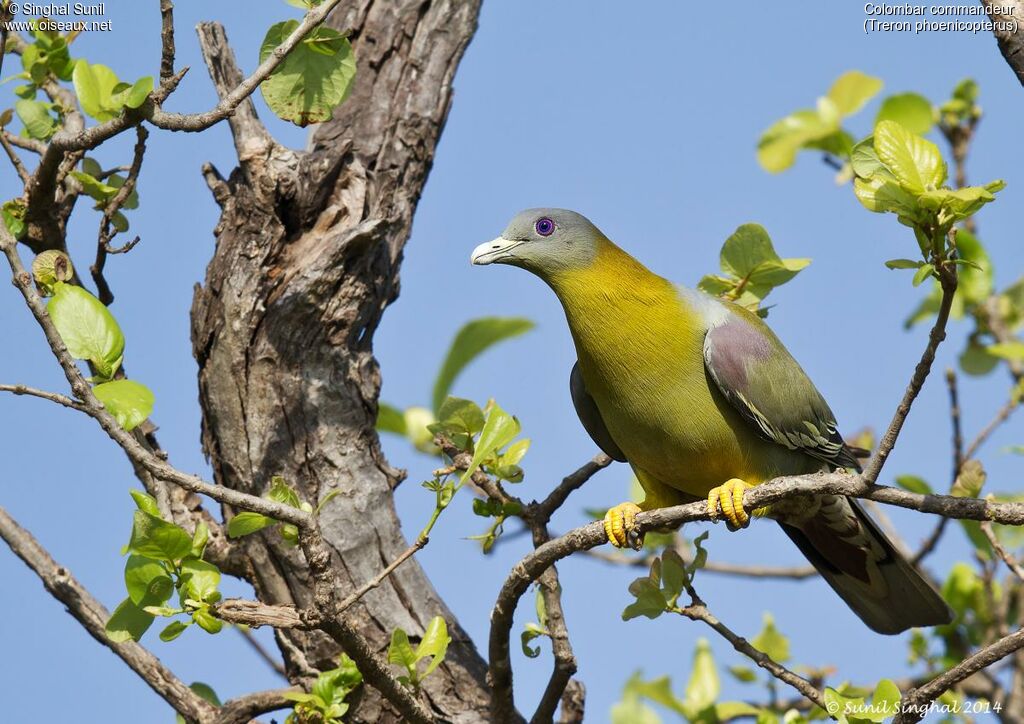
<point>619,522</point>
<point>730,495</point>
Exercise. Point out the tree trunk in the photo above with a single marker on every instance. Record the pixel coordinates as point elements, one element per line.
<point>308,250</point>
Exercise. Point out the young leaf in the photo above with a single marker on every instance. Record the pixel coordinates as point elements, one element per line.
<point>247,522</point>
<point>923,273</point>
<point>128,622</point>
<point>914,484</point>
<point>778,145</point>
<point>94,86</point>
<point>390,419</point>
<point>498,431</point>
<point>130,402</point>
<point>1007,350</point>
<point>771,641</point>
<point>434,643</point>
<point>903,264</point>
<point>200,579</point>
<point>704,685</point>
<point>910,110</point>
<point>147,582</point>
<point>914,161</point>
<point>399,651</point>
<point>314,78</point>
<point>530,632</point>
<point>472,340</point>
<point>173,630</point>
<point>145,502</point>
<point>35,115</point>
<point>282,492</point>
<point>156,538</point>
<point>207,622</point>
<point>852,90</point>
<point>87,328</point>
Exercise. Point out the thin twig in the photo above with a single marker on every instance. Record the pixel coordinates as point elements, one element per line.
<point>698,611</point>
<point>983,435</point>
<point>947,279</point>
<point>19,167</point>
<point>166,40</point>
<point>380,577</point>
<point>1011,562</point>
<point>43,394</point>
<point>107,232</point>
<point>27,144</point>
<point>916,702</point>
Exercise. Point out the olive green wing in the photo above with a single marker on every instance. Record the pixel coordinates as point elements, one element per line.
<point>760,378</point>
<point>590,416</point>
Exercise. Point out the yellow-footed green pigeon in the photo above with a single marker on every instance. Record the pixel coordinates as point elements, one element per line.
<point>703,400</point>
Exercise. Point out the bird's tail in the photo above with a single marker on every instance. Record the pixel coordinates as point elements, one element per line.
<point>865,569</point>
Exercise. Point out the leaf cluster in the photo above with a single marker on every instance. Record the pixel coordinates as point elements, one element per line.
<point>433,646</point>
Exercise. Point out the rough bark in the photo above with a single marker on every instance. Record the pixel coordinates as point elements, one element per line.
<point>1010,33</point>
<point>307,257</point>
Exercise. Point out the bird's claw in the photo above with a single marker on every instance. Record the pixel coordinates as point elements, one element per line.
<point>620,527</point>
<point>730,495</point>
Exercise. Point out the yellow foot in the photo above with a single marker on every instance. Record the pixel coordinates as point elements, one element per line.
<point>618,524</point>
<point>730,495</point>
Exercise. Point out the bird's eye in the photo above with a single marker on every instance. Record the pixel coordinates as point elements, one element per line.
<point>545,226</point>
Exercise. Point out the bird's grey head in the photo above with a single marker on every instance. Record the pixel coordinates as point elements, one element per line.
<point>543,241</point>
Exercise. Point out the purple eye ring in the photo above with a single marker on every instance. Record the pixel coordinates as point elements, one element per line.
<point>544,226</point>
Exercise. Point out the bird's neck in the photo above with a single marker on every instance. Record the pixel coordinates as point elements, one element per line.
<point>618,310</point>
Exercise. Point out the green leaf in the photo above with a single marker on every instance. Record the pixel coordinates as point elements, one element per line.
<point>390,419</point>
<point>130,402</point>
<point>1007,350</point>
<point>137,94</point>
<point>87,328</point>
<point>910,110</point>
<point>771,641</point>
<point>434,643</point>
<point>145,502</point>
<point>156,538</point>
<point>974,284</point>
<point>35,115</point>
<point>960,203</point>
<point>743,674</point>
<point>128,622</point>
<point>94,86</point>
<point>173,630</point>
<point>531,632</point>
<point>498,430</point>
<point>199,539</point>
<point>704,686</point>
<point>914,161</point>
<point>246,522</point>
<point>282,492</point>
<point>864,160</point>
<point>880,194</point>
<point>650,601</point>
<point>969,482</point>
<point>314,78</point>
<point>914,484</point>
<point>673,574</point>
<point>886,698</point>
<point>459,420</point>
<point>207,622</point>
<point>94,188</point>
<point>923,273</point>
<point>472,340</point>
<point>399,651</point>
<point>852,90</point>
<point>147,582</point>
<point>200,579</point>
<point>778,145</point>
<point>903,264</point>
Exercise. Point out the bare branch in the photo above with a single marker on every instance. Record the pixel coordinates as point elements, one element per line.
<point>1008,559</point>
<point>572,482</point>
<point>106,232</point>
<point>43,394</point>
<point>244,708</point>
<point>915,703</point>
<point>166,40</point>
<point>28,144</point>
<point>589,536</point>
<point>947,278</point>
<point>698,611</point>
<point>91,614</point>
<point>256,614</point>
<point>986,432</point>
<point>19,167</point>
<point>380,577</point>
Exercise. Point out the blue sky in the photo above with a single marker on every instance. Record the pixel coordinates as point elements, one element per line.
<point>646,122</point>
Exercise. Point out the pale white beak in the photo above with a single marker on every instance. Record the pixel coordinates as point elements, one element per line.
<point>493,251</point>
